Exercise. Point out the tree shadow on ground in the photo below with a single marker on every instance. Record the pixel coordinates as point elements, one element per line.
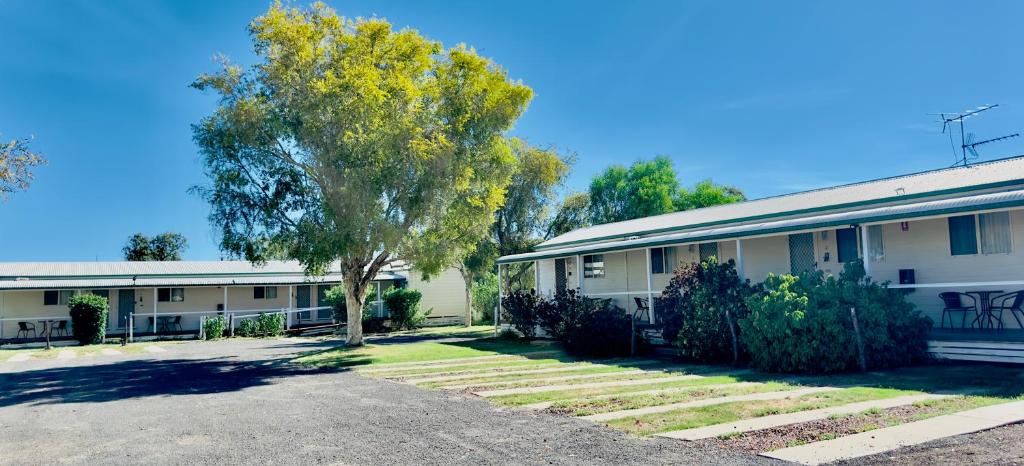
<point>141,378</point>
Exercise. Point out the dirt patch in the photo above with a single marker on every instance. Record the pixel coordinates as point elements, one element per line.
<point>834,427</point>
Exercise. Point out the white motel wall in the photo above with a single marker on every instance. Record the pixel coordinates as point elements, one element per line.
<point>34,292</point>
<point>956,229</point>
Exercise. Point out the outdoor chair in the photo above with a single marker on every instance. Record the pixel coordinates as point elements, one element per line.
<point>24,328</point>
<point>1012,302</point>
<point>643,311</point>
<point>176,323</point>
<point>61,329</point>
<point>954,302</point>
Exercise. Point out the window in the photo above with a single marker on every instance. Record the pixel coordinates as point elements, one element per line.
<point>877,245</point>
<point>264,292</point>
<point>593,266</point>
<point>321,295</point>
<point>663,260</point>
<point>57,297</point>
<point>707,251</point>
<point>963,238</point>
<point>846,244</point>
<point>994,231</point>
<point>174,295</point>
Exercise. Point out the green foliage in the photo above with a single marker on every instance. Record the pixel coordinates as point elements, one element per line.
<point>603,332</point>
<point>573,213</point>
<point>693,310</point>
<point>404,308</point>
<point>214,327</point>
<point>16,163</point>
<point>88,318</point>
<point>519,308</point>
<point>264,325</point>
<point>485,297</point>
<point>163,247</point>
<point>566,311</point>
<point>804,324</point>
<point>335,297</point>
<point>649,188</point>
<point>356,143</point>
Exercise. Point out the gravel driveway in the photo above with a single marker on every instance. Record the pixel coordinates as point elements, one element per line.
<point>240,401</point>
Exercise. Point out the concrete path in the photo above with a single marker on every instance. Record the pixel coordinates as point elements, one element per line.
<point>19,357</point>
<point>562,367</point>
<point>708,402</point>
<point>66,354</point>
<point>155,349</point>
<point>660,391</point>
<point>599,375</point>
<point>456,369</point>
<point>435,362</point>
<point>913,433</point>
<point>110,352</point>
<point>777,420</point>
<point>558,388</point>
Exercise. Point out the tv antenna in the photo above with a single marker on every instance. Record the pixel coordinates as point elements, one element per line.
<point>967,143</point>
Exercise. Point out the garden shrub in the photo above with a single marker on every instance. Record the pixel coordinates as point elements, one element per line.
<point>264,325</point>
<point>88,318</point>
<point>519,308</point>
<point>803,324</point>
<point>603,330</point>
<point>214,327</point>
<point>565,312</point>
<point>248,328</point>
<point>693,311</point>
<point>485,297</point>
<point>403,305</point>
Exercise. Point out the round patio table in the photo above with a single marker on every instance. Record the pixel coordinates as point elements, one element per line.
<point>985,307</point>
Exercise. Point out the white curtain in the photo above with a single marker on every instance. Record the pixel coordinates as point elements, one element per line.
<point>995,233</point>
<point>877,245</point>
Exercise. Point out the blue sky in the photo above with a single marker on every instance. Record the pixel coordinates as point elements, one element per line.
<point>770,97</point>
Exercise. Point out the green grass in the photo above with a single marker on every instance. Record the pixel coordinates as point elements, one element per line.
<point>454,331</point>
<point>729,412</point>
<point>342,357</point>
<point>586,407</point>
<point>82,351</point>
<point>482,367</point>
<point>530,398</point>
<point>527,380</point>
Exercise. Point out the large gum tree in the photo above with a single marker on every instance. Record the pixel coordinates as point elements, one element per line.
<point>354,145</point>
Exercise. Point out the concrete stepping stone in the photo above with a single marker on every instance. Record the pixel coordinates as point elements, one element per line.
<point>660,391</point>
<point>599,375</point>
<point>453,370</point>
<point>778,420</point>
<point>912,433</point>
<point>66,354</point>
<point>602,417</point>
<point>155,349</point>
<point>460,361</point>
<point>563,387</point>
<point>19,357</point>
<point>526,371</point>
<point>110,352</point>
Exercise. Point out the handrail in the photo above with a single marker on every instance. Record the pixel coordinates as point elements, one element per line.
<point>33,319</point>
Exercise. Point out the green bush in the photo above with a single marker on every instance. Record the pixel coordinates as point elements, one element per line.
<point>248,328</point>
<point>214,327</point>
<point>803,324</point>
<point>270,324</point>
<point>403,306</point>
<point>566,311</point>
<point>88,318</point>
<point>485,297</point>
<point>519,309</point>
<point>601,331</point>
<point>697,308</point>
<point>335,297</point>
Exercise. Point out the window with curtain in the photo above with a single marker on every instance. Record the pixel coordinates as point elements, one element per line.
<point>963,239</point>
<point>994,229</point>
<point>846,244</point>
<point>663,260</point>
<point>877,245</point>
<point>593,266</point>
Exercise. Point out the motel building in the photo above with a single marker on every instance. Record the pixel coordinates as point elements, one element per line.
<point>173,298</point>
<point>956,230</point>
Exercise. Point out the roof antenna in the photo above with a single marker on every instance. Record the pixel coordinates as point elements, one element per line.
<point>967,143</point>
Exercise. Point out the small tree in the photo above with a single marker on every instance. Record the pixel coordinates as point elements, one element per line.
<point>404,308</point>
<point>163,247</point>
<point>16,163</point>
<point>351,145</point>
<point>88,318</point>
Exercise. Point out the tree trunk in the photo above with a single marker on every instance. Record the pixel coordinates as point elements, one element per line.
<point>355,293</point>
<point>469,294</point>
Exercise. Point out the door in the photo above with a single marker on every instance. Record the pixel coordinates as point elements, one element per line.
<point>125,306</point>
<point>560,278</point>
<point>302,301</point>
<point>801,253</point>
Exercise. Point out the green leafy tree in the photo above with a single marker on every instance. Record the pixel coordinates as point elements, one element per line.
<point>572,214</point>
<point>707,194</point>
<point>351,145</point>
<point>163,247</point>
<point>16,163</point>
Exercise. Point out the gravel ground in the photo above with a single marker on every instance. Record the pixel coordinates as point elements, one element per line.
<point>239,401</point>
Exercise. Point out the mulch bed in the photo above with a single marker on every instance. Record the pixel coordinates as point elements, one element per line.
<point>815,431</point>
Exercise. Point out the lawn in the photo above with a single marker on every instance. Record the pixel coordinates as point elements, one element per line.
<point>378,353</point>
<point>81,351</point>
<point>456,331</point>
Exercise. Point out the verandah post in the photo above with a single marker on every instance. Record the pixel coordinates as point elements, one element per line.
<point>650,289</point>
<point>866,247</point>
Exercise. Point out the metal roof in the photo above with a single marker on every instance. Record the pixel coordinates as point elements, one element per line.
<point>82,275</point>
<point>998,174</point>
<point>981,202</point>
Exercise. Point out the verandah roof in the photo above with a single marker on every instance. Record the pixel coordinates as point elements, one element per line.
<point>240,280</point>
<point>980,202</point>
